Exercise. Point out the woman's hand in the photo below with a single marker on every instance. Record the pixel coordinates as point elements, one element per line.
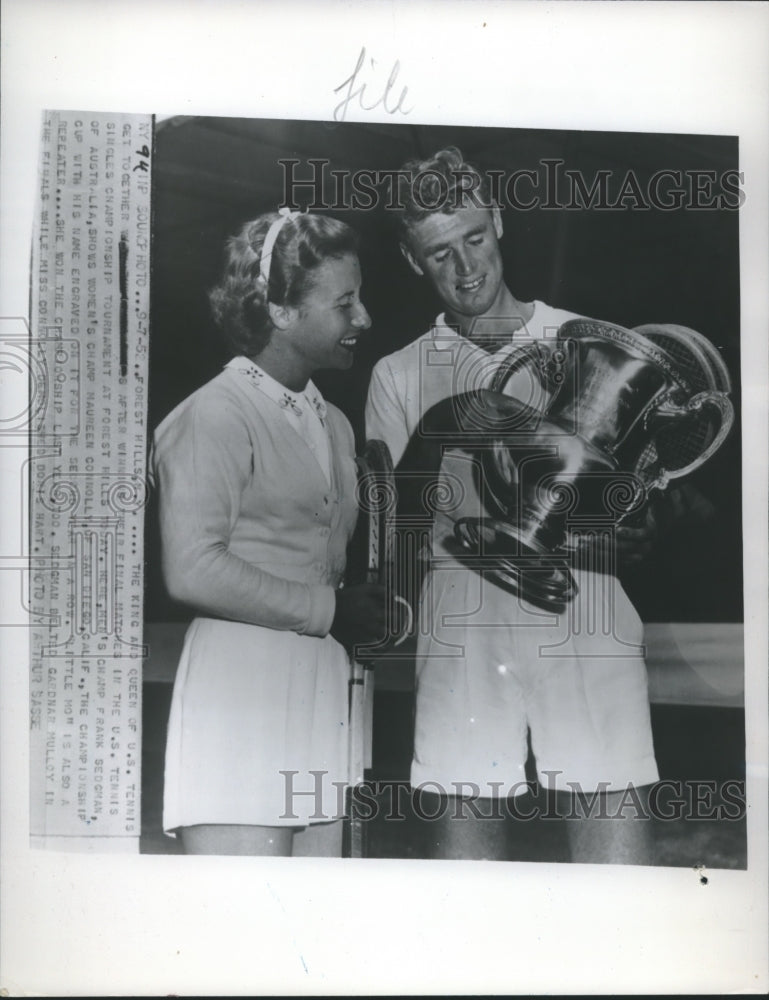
<point>360,616</point>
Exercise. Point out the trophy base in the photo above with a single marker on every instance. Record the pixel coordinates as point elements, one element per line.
<point>525,569</point>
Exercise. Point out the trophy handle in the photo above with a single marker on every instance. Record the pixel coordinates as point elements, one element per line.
<point>670,411</point>
<point>536,355</point>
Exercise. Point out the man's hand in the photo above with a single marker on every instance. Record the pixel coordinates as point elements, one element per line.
<point>680,506</point>
<point>634,540</point>
<point>637,537</point>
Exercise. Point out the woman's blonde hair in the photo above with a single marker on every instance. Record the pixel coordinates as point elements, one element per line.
<point>239,301</point>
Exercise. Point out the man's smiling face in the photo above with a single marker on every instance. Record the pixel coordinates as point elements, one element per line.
<point>459,253</point>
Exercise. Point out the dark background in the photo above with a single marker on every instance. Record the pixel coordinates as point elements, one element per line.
<point>627,266</point>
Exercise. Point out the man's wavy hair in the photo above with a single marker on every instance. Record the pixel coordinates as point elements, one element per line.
<point>444,182</point>
<point>239,301</point>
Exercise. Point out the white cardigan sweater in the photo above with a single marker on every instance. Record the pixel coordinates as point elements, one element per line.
<point>251,530</point>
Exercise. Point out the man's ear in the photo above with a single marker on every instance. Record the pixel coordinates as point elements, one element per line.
<point>412,260</point>
<point>496,217</point>
<point>281,317</point>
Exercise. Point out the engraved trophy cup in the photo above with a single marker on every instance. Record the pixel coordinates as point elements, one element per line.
<point>612,415</point>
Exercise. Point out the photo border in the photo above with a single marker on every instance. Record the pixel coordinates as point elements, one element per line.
<point>148,925</point>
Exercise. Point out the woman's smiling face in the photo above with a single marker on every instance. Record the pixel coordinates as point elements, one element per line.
<point>330,318</point>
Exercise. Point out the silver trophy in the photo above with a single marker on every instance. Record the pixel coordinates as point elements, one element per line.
<point>619,413</point>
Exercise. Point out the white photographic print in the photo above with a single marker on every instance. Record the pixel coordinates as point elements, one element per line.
<point>385,538</point>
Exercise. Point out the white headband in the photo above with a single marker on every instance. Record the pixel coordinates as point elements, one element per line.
<point>284,214</point>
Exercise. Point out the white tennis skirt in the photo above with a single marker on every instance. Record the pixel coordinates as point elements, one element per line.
<point>258,728</point>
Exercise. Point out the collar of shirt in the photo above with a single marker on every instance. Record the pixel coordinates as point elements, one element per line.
<point>445,336</point>
<point>296,402</point>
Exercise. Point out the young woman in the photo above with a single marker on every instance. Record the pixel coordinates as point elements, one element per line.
<point>256,481</point>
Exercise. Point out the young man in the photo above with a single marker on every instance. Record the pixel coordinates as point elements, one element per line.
<point>492,668</point>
